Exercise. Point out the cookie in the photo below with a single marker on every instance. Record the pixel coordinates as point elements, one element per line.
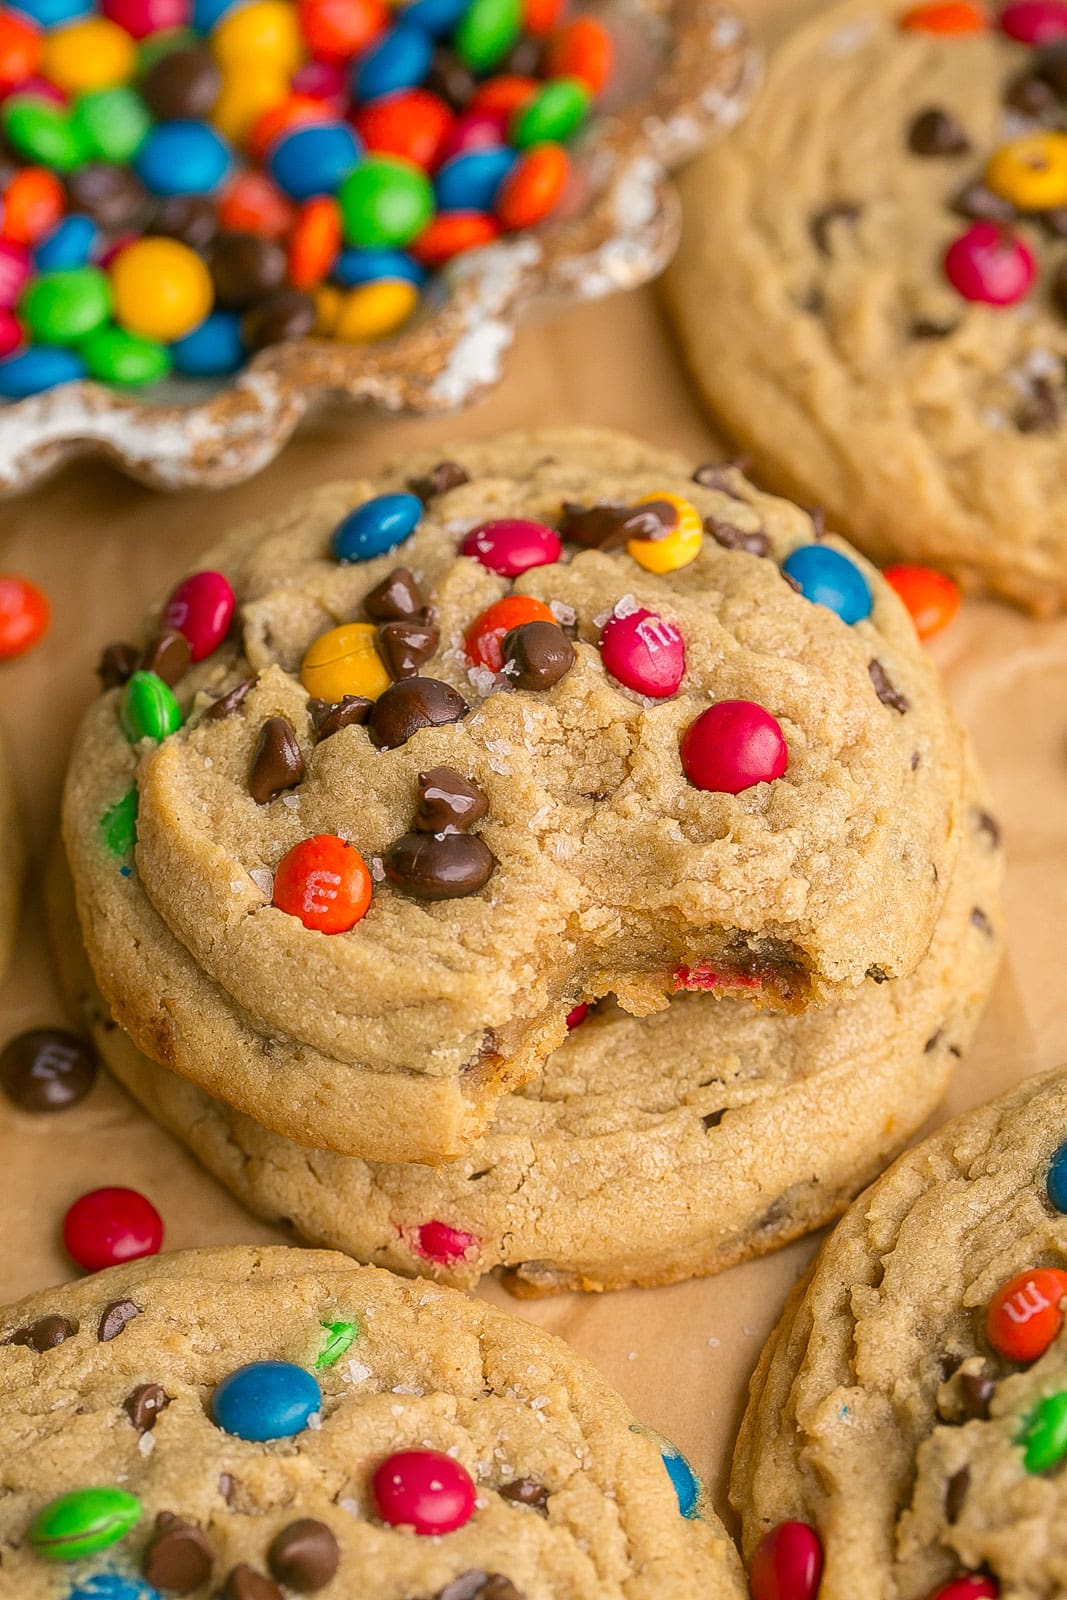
<point>630,1160</point>
<point>871,288</point>
<point>908,1411</point>
<point>257,1422</point>
<point>373,874</point>
<point>12,861</point>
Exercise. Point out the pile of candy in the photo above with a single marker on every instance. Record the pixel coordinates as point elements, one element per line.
<point>185,182</point>
<point>1025,178</point>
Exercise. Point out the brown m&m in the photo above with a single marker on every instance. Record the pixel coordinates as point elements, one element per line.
<point>46,1069</point>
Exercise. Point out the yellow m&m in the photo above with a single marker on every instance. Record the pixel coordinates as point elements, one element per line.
<point>247,91</point>
<point>89,55</point>
<point>266,30</point>
<point>679,545</point>
<point>1031,172</point>
<point>375,310</point>
<point>161,289</point>
<point>345,661</point>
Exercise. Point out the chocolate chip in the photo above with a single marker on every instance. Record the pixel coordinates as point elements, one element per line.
<point>304,1556</point>
<point>980,921</point>
<point>231,701</point>
<point>167,655</point>
<point>245,268</point>
<point>448,866</point>
<point>984,823</point>
<point>144,1405</point>
<point>931,1045</point>
<point>405,646</point>
<point>1031,95</point>
<point>288,314</point>
<point>277,763</point>
<point>192,219</point>
<point>877,974</point>
<point>537,655</point>
<point>479,1586</point>
<point>526,1492</point>
<point>117,665</point>
<point>976,1391</point>
<point>608,524</point>
<point>245,1583</point>
<point>956,1493</point>
<point>113,196</point>
<point>46,1069</point>
<point>448,802</point>
<point>979,204</point>
<point>716,475</point>
<point>395,599</point>
<point>926,328</point>
<point>44,1334</point>
<point>114,1318</point>
<point>330,716</point>
<point>177,1557</point>
<point>936,132</point>
<point>182,85</point>
<point>751,540</point>
<point>412,704</point>
<point>822,225</point>
<point>453,81</point>
<point>884,689</point>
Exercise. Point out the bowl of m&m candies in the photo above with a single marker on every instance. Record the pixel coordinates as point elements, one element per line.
<point>214,211</point>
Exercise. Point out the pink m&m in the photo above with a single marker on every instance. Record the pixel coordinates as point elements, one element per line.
<point>473,130</point>
<point>577,1016</point>
<point>425,1490</point>
<point>142,17</point>
<point>512,545</point>
<point>15,271</point>
<point>644,652</point>
<point>989,264</point>
<point>972,1587</point>
<point>438,1241</point>
<point>787,1564</point>
<point>1037,22</point>
<point>202,608</point>
<point>732,746</point>
<point>109,1226</point>
<point>10,333</point>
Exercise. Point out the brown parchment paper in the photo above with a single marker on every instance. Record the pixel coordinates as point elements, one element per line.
<point>103,549</point>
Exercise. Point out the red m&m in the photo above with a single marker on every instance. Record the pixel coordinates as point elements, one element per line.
<point>24,615</point>
<point>732,746</point>
<point>438,1241</point>
<point>325,882</point>
<point>971,1587</point>
<point>1035,22</point>
<point>1024,1316</point>
<point>644,652</point>
<point>424,1490</point>
<point>787,1564</point>
<point>108,1226</point>
<point>990,264</point>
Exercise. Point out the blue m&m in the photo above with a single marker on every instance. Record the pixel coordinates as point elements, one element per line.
<point>113,1586</point>
<point>313,160</point>
<point>182,158</point>
<point>70,244</point>
<point>38,368</point>
<point>1056,1180</point>
<point>265,1400</point>
<point>400,60</point>
<point>472,181</point>
<point>213,349</point>
<point>685,1481</point>
<point>354,267</point>
<point>827,578</point>
<point>376,526</point>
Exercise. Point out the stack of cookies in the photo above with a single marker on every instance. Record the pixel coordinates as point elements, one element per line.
<point>558,859</point>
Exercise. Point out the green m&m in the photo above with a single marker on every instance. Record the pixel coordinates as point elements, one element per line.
<point>111,124</point>
<point>385,202</point>
<point>125,359</point>
<point>65,307</point>
<point>82,1522</point>
<point>556,112</point>
<point>1044,1435</point>
<point>339,1337</point>
<point>42,132</point>
<point>486,32</point>
<point>119,824</point>
<point>148,709</point>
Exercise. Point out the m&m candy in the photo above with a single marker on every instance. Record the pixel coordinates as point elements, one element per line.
<point>345,661</point>
<point>1025,1315</point>
<point>371,144</point>
<point>108,1226</point>
<point>990,264</point>
<point>82,1523</point>
<point>424,1490</point>
<point>265,1400</point>
<point>932,598</point>
<point>324,882</point>
<point>24,615</point>
<point>732,746</point>
<point>973,1586</point>
<point>376,526</point>
<point>511,545</point>
<point>644,652</point>
<point>202,608</point>
<point>828,578</point>
<point>787,1563</point>
<point>484,638</point>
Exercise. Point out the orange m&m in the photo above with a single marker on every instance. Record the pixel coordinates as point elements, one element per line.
<point>315,242</point>
<point>931,598</point>
<point>452,232</point>
<point>582,50</point>
<point>33,203</point>
<point>1024,1315</point>
<point>945,16</point>
<point>533,187</point>
<point>24,616</point>
<point>485,637</point>
<point>325,882</point>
